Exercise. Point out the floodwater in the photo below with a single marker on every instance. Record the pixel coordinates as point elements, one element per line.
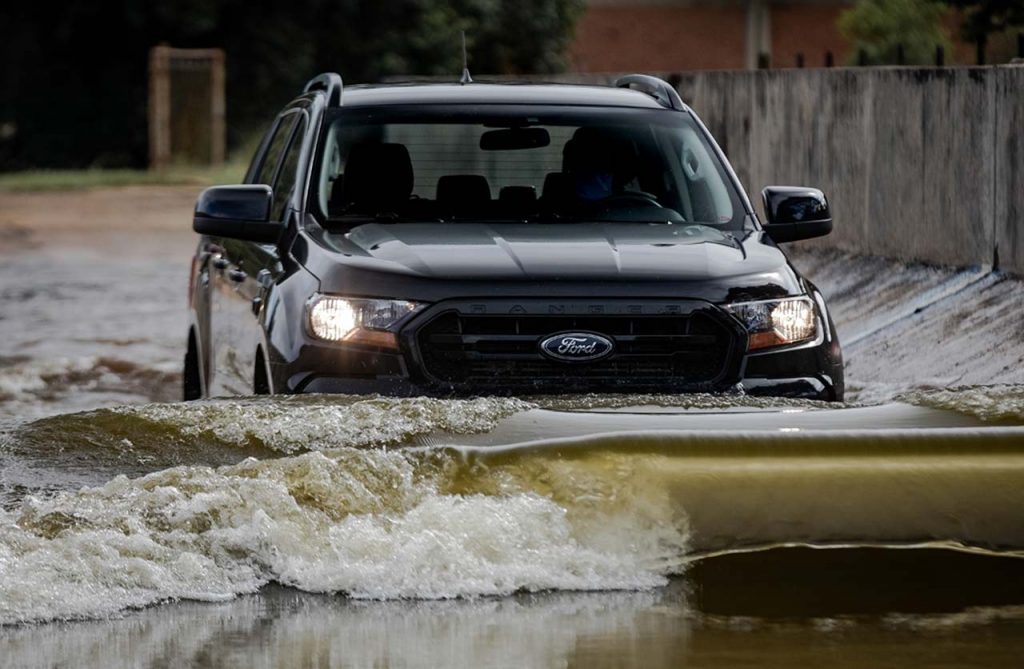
<point>655,531</point>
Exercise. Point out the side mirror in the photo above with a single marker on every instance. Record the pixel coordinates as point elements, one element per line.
<point>796,213</point>
<point>237,212</point>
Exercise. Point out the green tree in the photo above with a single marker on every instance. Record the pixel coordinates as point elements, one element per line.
<point>878,28</point>
<point>519,36</point>
<point>987,17</point>
<point>367,41</point>
<point>74,83</point>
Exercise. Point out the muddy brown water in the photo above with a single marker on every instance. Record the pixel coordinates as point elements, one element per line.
<point>574,531</point>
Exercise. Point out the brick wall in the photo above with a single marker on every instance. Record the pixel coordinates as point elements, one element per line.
<point>807,29</point>
<point>660,35</point>
<point>618,38</point>
<point>677,35</point>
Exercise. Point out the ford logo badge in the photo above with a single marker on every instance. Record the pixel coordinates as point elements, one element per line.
<point>577,346</point>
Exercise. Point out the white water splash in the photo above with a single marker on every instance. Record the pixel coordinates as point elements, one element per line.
<point>988,403</point>
<point>288,425</point>
<point>368,523</point>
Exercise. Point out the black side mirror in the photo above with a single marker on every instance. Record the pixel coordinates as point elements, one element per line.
<point>238,212</point>
<point>796,213</point>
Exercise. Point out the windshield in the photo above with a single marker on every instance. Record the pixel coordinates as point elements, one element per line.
<point>487,163</point>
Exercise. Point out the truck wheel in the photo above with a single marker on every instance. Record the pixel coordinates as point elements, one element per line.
<point>192,385</point>
<point>260,383</point>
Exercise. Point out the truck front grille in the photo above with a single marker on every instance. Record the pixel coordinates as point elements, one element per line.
<point>687,349</point>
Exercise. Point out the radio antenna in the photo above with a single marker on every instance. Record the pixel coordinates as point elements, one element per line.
<point>466,78</point>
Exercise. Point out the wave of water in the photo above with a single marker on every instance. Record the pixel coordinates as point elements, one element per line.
<point>375,498</point>
<point>369,523</point>
<point>32,387</point>
<point>996,404</point>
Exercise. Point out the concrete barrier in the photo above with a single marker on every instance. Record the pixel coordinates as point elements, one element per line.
<point>920,164</point>
<point>1009,168</point>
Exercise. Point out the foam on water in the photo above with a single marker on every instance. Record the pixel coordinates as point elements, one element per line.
<point>35,387</point>
<point>687,401</point>
<point>994,404</point>
<point>606,511</point>
<point>303,423</point>
<point>92,447</point>
<point>345,501</point>
<point>369,523</point>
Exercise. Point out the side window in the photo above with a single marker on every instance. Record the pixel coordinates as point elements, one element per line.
<point>253,170</point>
<point>273,155</point>
<point>286,177</point>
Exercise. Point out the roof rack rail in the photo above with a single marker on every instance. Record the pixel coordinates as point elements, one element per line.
<point>329,82</point>
<point>659,89</point>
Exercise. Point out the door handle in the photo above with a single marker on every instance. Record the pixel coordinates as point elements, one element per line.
<point>237,275</point>
<point>219,262</point>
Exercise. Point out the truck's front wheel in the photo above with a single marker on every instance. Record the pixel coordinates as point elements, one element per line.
<point>191,382</point>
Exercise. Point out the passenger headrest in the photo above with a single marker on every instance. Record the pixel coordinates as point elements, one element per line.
<point>463,189</point>
<point>518,196</point>
<point>377,177</point>
<point>557,187</point>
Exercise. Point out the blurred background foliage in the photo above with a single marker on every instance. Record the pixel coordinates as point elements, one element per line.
<point>984,18</point>
<point>879,29</point>
<point>73,85</point>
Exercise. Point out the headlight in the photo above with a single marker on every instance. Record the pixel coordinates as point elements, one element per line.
<point>776,322</point>
<point>357,320</point>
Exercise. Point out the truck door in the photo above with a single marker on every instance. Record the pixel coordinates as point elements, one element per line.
<point>235,267</point>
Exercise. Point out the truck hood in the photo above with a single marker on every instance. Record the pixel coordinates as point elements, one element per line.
<point>571,251</point>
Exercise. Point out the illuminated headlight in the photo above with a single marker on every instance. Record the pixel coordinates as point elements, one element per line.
<point>357,320</point>
<point>776,322</point>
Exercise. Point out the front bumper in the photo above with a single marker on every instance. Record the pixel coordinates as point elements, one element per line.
<point>821,388</point>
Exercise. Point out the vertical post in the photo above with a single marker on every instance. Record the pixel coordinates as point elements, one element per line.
<point>940,56</point>
<point>800,60</point>
<point>763,61</point>
<point>159,107</point>
<point>862,57</point>
<point>758,36</point>
<point>980,50</point>
<point>829,59</point>
<point>1020,45</point>
<point>218,140</point>
<point>900,56</point>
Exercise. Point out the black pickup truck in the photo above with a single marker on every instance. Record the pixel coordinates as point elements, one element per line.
<point>495,239</point>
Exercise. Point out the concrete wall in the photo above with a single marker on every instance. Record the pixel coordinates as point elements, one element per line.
<point>919,164</point>
<point>1009,168</point>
